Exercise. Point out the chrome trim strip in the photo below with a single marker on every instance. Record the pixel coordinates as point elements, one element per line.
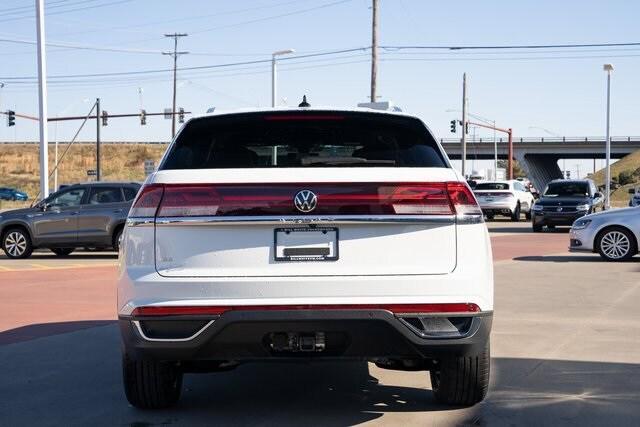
<point>137,222</point>
<point>139,328</point>
<point>297,219</point>
<point>470,219</point>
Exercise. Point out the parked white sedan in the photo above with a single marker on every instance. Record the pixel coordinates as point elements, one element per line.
<point>509,198</point>
<point>614,234</point>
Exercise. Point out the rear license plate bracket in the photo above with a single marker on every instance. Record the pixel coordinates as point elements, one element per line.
<point>306,244</point>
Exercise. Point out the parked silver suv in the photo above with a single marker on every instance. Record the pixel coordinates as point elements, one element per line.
<point>91,214</point>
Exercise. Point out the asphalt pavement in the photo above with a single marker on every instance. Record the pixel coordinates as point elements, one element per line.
<point>565,351</point>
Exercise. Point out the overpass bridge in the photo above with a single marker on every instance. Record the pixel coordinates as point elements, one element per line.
<point>539,156</point>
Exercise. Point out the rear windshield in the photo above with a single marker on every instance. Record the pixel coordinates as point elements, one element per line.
<point>309,139</point>
<point>492,186</point>
<point>567,189</point>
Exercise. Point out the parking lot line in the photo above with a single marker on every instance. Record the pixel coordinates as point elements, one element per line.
<point>40,267</point>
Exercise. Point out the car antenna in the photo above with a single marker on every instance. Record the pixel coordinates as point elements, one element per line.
<point>304,102</point>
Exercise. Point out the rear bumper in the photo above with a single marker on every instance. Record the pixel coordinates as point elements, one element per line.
<point>352,334</point>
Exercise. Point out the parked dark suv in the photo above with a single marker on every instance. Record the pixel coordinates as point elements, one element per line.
<point>564,201</point>
<point>80,215</point>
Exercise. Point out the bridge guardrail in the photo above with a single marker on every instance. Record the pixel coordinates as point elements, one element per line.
<point>546,139</point>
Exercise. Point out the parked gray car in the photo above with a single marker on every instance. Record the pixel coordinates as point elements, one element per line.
<point>80,215</point>
<point>614,234</point>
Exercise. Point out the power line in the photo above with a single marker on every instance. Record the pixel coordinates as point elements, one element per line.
<point>189,18</point>
<point>268,18</point>
<point>531,46</point>
<point>112,3</point>
<point>201,67</point>
<point>82,47</point>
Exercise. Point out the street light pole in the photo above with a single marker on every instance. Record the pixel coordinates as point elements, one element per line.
<point>607,204</point>
<point>42,101</point>
<point>274,82</point>
<point>274,94</point>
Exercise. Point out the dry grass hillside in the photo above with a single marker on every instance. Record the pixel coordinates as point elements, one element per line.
<point>19,165</point>
<point>629,164</point>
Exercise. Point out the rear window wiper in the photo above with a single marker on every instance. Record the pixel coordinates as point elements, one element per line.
<point>343,161</point>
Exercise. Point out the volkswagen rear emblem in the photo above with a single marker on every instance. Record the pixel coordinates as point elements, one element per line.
<point>305,201</point>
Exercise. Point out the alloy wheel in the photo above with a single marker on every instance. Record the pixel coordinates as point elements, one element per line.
<point>615,244</point>
<point>15,243</point>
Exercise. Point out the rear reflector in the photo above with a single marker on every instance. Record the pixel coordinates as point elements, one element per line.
<point>219,310</point>
<point>188,200</point>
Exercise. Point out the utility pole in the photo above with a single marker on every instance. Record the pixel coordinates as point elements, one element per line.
<point>464,123</point>
<point>174,54</point>
<point>374,50</point>
<point>42,101</point>
<point>98,113</point>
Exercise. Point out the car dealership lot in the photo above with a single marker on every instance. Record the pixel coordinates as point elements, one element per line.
<point>565,347</point>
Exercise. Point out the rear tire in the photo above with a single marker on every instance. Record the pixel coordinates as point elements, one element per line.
<point>515,215</point>
<point>527,215</point>
<point>151,384</point>
<point>16,243</point>
<point>62,251</point>
<point>117,239</point>
<point>490,217</point>
<point>462,381</point>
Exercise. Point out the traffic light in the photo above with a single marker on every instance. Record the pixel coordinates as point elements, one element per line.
<point>143,117</point>
<point>181,115</point>
<point>105,116</point>
<point>11,118</point>
<point>453,126</point>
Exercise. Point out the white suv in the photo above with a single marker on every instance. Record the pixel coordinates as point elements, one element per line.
<point>305,234</point>
<point>510,198</point>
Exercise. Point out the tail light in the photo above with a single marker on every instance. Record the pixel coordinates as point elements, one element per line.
<point>180,200</point>
<point>147,201</point>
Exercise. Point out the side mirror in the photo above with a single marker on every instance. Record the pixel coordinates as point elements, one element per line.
<point>632,191</point>
<point>598,195</point>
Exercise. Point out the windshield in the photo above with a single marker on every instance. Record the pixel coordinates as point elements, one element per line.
<point>304,139</point>
<point>492,186</point>
<point>567,189</point>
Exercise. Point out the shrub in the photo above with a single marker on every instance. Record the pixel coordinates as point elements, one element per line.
<point>625,177</point>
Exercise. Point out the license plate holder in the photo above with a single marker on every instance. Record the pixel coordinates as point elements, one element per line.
<point>306,244</point>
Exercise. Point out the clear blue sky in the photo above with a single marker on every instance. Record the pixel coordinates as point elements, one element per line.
<point>518,89</point>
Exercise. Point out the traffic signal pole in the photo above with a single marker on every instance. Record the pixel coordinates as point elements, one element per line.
<point>509,132</point>
<point>463,141</point>
<point>98,114</point>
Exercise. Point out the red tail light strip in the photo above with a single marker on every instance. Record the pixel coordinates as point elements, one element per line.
<point>219,310</point>
<point>184,200</point>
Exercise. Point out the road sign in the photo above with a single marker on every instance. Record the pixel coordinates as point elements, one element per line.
<point>91,172</point>
<point>168,113</point>
<point>149,167</point>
